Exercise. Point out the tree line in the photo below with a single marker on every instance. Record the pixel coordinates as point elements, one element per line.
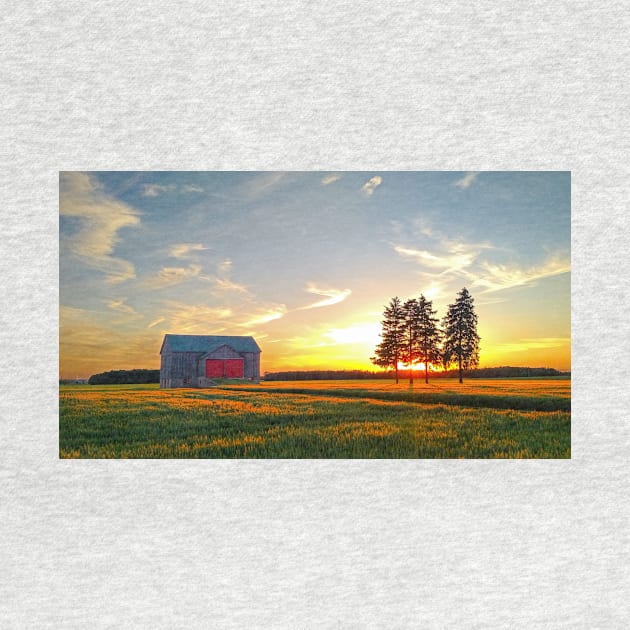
<point>411,335</point>
<point>505,371</point>
<point>122,377</point>
<point>323,375</point>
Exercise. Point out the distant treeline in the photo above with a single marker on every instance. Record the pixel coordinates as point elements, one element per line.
<point>125,377</point>
<point>324,375</point>
<point>504,372</point>
<point>132,377</point>
<point>490,372</point>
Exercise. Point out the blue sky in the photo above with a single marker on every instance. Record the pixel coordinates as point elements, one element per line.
<point>305,262</point>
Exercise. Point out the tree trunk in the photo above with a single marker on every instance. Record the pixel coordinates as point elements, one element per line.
<point>396,370</point>
<point>426,372</point>
<point>460,369</point>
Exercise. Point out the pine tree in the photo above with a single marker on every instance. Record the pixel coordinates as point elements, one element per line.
<point>411,352</point>
<point>388,353</point>
<point>428,335</point>
<point>461,342</point>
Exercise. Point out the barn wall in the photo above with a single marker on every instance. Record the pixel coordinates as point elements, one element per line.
<point>252,365</point>
<point>187,369</point>
<point>179,369</point>
<point>165,370</point>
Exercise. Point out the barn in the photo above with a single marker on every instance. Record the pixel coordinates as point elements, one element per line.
<point>195,360</point>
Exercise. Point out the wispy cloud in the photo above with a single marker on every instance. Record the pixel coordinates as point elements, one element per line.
<point>120,306</point>
<point>154,190</point>
<point>540,343</point>
<point>332,296</point>
<point>192,318</point>
<point>223,281</point>
<point>463,259</point>
<point>228,285</point>
<point>371,185</point>
<point>184,250</point>
<point>458,260</point>
<point>261,184</point>
<point>169,276</point>
<point>265,316</point>
<point>499,277</point>
<point>100,219</point>
<point>82,350</point>
<point>329,179</point>
<point>489,300</point>
<point>157,321</point>
<point>467,180</point>
<point>225,266</point>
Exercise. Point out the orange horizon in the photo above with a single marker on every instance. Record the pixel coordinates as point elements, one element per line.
<point>307,368</point>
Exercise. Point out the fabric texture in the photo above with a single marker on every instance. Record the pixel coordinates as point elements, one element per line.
<point>303,86</point>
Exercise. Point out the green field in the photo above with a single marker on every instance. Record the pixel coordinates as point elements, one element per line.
<point>493,418</point>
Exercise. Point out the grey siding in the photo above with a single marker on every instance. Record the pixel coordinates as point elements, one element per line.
<point>188,369</point>
<point>224,352</point>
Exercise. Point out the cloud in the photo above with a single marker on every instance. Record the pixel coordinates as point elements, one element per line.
<point>183,250</point>
<point>540,343</point>
<point>187,318</point>
<point>500,277</point>
<point>88,344</point>
<point>159,320</point>
<point>259,185</point>
<point>100,219</point>
<point>153,190</point>
<point>120,306</point>
<point>459,260</point>
<point>329,179</point>
<point>226,266</point>
<point>268,315</point>
<point>223,281</point>
<point>228,285</point>
<point>467,180</point>
<point>333,296</point>
<point>490,300</point>
<point>370,186</point>
<point>169,276</point>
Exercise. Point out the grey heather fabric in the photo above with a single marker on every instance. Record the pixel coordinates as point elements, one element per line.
<point>314,544</point>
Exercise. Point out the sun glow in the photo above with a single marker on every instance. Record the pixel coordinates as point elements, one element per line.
<point>416,367</point>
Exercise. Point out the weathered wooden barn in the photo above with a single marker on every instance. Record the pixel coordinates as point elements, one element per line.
<point>195,360</point>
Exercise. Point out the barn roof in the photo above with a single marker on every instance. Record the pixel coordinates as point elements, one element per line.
<point>208,343</point>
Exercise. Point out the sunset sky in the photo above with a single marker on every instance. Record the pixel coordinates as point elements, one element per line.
<point>306,262</point>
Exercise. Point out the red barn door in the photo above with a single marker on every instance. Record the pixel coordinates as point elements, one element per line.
<point>214,368</point>
<point>224,368</point>
<point>234,368</point>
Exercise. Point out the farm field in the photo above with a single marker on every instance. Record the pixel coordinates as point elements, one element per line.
<point>490,418</point>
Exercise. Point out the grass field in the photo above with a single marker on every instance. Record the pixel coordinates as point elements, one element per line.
<point>493,418</point>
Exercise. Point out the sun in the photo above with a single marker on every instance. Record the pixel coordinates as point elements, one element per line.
<point>416,366</point>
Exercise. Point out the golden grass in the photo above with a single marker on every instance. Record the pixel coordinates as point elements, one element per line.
<point>263,421</point>
<point>521,387</point>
